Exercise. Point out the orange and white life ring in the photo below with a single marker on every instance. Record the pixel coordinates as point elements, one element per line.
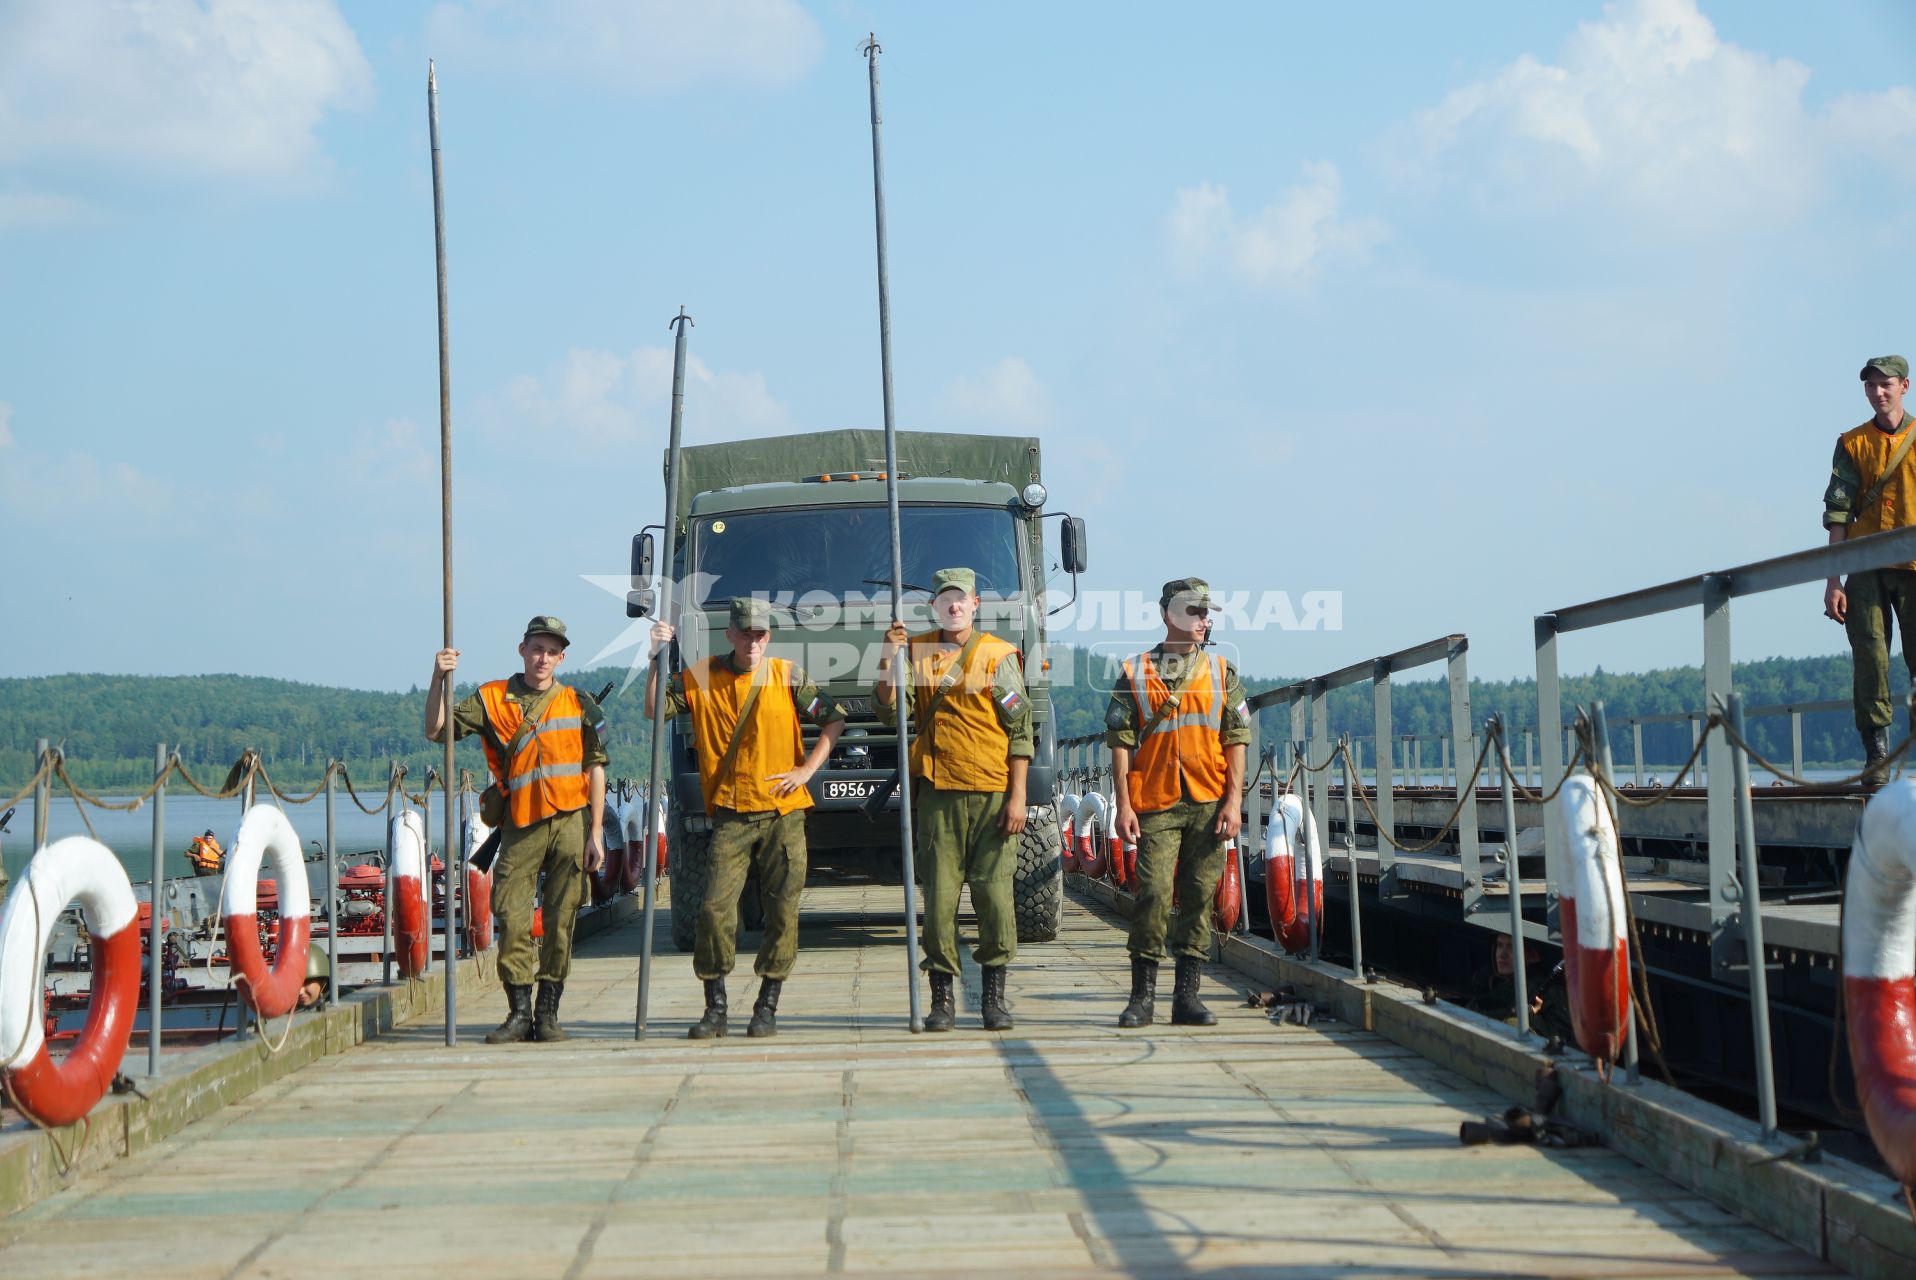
<point>411,918</point>
<point>478,884</point>
<point>75,867</point>
<point>1596,949</point>
<point>1293,873</point>
<point>265,832</point>
<point>1067,828</point>
<point>1879,972</point>
<point>1228,902</point>
<point>1123,853</point>
<point>1092,840</point>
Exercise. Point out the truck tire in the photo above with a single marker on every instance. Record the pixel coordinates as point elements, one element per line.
<point>1037,892</point>
<point>689,854</point>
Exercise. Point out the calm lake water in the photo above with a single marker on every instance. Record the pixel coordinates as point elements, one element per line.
<point>131,834</point>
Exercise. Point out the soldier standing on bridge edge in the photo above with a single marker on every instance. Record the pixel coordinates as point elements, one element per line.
<point>753,768</point>
<point>543,743</point>
<point>1177,726</point>
<point>1872,489</point>
<point>972,747</point>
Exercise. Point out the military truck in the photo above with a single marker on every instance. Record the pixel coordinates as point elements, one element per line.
<point>801,521</point>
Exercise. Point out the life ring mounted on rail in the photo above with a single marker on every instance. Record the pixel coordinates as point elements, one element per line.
<point>474,833</point>
<point>79,867</point>
<point>1293,874</point>
<point>1092,840</point>
<point>1879,973</point>
<point>265,832</point>
<point>1596,949</point>
<point>408,911</point>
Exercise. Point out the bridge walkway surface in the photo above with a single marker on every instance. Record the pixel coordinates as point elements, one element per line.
<point>846,1144</point>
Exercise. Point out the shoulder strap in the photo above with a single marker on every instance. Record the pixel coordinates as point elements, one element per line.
<point>738,730</point>
<point>951,677</point>
<point>1875,491</point>
<point>530,714</point>
<point>1169,707</point>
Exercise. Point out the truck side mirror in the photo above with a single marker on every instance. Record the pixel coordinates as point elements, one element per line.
<point>1071,543</point>
<point>641,600</point>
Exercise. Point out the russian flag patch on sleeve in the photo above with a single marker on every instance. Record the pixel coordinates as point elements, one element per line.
<point>818,700</point>
<point>1012,702</point>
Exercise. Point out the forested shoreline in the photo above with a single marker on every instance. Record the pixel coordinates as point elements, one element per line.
<point>108,725</point>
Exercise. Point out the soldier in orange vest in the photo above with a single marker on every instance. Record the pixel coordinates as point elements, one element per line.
<point>970,751</point>
<point>1872,488</point>
<point>1177,726</point>
<point>543,742</point>
<point>745,710</point>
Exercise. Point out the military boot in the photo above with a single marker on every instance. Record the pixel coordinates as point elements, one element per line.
<point>1876,756</point>
<point>765,1012</point>
<point>712,1024</point>
<point>1186,1009</point>
<point>944,1013</point>
<point>997,1017</point>
<point>518,1023</point>
<point>545,1020</point>
<point>1144,994</point>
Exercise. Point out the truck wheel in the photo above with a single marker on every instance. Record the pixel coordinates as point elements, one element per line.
<point>1038,891</point>
<point>690,855</point>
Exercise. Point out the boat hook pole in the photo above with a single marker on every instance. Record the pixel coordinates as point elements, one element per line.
<point>662,665</point>
<point>901,666</point>
<point>455,859</point>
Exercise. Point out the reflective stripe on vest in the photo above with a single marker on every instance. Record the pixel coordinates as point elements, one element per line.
<point>1183,754</point>
<point>547,774</point>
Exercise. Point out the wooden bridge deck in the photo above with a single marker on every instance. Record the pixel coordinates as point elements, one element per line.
<point>846,1144</point>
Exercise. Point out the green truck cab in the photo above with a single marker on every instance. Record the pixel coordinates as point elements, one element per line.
<point>801,521</point>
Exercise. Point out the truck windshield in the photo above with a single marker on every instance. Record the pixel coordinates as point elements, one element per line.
<point>841,551</point>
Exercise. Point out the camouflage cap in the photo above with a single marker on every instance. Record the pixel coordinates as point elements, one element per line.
<point>749,613</point>
<point>1885,366</point>
<point>963,579</point>
<point>1193,593</point>
<point>547,625</point>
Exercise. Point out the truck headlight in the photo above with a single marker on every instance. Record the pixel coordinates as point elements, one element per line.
<point>1034,495</point>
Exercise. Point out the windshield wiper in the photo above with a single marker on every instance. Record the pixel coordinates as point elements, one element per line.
<point>886,582</point>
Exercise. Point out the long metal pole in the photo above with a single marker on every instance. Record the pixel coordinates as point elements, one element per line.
<point>332,897</point>
<point>900,668</point>
<point>1753,926</point>
<point>454,868</point>
<point>1350,847</point>
<point>156,935</point>
<point>661,669</point>
<point>1513,881</point>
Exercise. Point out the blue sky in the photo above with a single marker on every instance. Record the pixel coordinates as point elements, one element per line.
<point>1465,312</point>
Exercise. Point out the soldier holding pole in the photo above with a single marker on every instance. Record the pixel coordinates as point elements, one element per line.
<point>966,691</point>
<point>745,710</point>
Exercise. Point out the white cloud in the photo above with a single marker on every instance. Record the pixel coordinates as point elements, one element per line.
<point>41,488</point>
<point>223,87</point>
<point>1006,394</point>
<point>603,398</point>
<point>634,46</point>
<point>41,210</point>
<point>1649,107</point>
<point>1285,243</point>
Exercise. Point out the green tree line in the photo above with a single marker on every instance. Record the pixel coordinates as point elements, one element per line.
<point>108,725</point>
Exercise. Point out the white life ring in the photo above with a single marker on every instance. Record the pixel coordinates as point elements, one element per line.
<point>1091,836</point>
<point>75,867</point>
<point>264,831</point>
<point>1067,823</point>
<point>1293,873</point>
<point>1596,949</point>
<point>1879,972</point>
<point>409,911</point>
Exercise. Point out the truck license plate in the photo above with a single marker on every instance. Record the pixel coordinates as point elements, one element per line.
<point>852,789</point>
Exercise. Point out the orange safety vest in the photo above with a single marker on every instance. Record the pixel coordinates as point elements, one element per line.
<point>546,775</point>
<point>1869,448</point>
<point>772,743</point>
<point>965,747</point>
<point>1183,754</point>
